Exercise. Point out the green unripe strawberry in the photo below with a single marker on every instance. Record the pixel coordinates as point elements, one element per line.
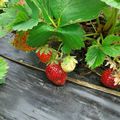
<point>69,63</point>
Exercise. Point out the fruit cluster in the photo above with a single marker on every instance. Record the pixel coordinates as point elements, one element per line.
<point>58,65</point>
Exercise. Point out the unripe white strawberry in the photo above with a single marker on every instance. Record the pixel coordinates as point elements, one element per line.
<point>69,63</point>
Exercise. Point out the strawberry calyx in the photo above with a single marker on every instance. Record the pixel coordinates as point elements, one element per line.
<point>44,53</point>
<point>44,49</point>
<point>116,76</point>
<point>56,57</point>
<point>57,62</point>
<point>112,64</point>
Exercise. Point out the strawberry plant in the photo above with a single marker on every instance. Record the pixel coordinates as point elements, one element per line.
<point>45,18</point>
<point>75,24</point>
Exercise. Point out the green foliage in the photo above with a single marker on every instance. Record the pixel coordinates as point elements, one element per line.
<point>72,36</point>
<point>74,11</point>
<point>20,18</point>
<point>26,20</point>
<point>95,57</point>
<point>96,53</point>
<point>113,3</point>
<point>111,39</point>
<point>6,20</point>
<point>24,26</point>
<point>3,70</point>
<point>43,13</point>
<point>39,35</point>
<point>111,46</point>
<point>43,19</point>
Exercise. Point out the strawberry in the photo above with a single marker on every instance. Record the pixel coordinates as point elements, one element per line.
<point>69,63</point>
<point>44,54</point>
<point>108,79</point>
<point>56,74</point>
<point>19,42</point>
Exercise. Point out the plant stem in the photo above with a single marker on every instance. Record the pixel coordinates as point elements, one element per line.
<point>98,21</point>
<point>53,22</point>
<point>114,21</point>
<point>91,34</point>
<point>60,46</point>
<point>101,36</point>
<point>93,26</point>
<point>59,20</point>
<point>98,40</point>
<point>88,38</point>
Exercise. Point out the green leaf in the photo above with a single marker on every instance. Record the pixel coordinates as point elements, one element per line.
<point>112,3</point>
<point>45,9</point>
<point>26,25</point>
<point>108,12</point>
<point>8,15</point>
<point>95,57</point>
<point>73,11</point>
<point>39,35</point>
<point>72,37</point>
<point>112,51</point>
<point>26,20</point>
<point>13,1</point>
<point>13,16</point>
<point>117,28</point>
<point>21,15</point>
<point>6,20</point>
<point>111,46</point>
<point>111,39</point>
<point>34,9</point>
<point>3,69</point>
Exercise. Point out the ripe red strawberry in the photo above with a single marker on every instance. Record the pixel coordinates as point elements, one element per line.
<point>44,54</point>
<point>56,74</point>
<point>44,57</point>
<point>19,42</point>
<point>108,79</point>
